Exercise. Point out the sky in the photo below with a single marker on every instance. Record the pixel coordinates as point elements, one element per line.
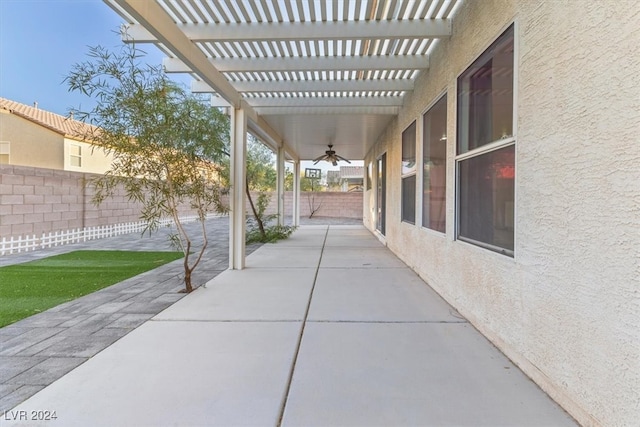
<point>41,40</point>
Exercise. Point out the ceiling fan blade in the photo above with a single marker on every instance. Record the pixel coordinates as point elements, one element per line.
<point>342,158</point>
<point>317,159</point>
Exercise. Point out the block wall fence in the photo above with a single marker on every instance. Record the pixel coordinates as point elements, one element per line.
<point>36,201</point>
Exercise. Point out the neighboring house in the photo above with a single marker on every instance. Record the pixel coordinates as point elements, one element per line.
<point>33,137</point>
<point>352,178</point>
<point>347,179</point>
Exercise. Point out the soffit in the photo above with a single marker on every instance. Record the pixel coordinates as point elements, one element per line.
<point>316,72</point>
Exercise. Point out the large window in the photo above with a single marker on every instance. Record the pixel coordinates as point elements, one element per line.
<point>409,174</point>
<point>435,166</point>
<point>486,148</point>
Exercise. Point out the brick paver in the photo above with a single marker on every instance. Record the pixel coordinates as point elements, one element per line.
<point>38,350</point>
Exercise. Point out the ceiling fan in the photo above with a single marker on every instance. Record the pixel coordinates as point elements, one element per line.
<point>330,156</point>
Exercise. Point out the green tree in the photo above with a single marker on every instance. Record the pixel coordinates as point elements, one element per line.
<point>260,177</point>
<point>167,143</point>
<point>261,170</point>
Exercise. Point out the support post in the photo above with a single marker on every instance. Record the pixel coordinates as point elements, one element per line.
<point>237,220</point>
<point>280,184</point>
<point>296,194</point>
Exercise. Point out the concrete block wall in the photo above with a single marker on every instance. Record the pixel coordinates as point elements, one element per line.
<point>36,201</point>
<point>328,204</point>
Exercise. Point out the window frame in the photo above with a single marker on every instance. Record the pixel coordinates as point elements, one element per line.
<point>411,174</point>
<point>73,156</point>
<point>442,95</point>
<point>5,150</point>
<point>489,147</point>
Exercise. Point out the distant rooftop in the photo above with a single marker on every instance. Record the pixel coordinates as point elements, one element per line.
<point>348,172</point>
<point>55,122</point>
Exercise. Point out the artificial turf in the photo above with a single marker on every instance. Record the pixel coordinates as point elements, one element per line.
<point>32,287</point>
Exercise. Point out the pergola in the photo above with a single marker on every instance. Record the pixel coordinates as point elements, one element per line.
<point>298,74</point>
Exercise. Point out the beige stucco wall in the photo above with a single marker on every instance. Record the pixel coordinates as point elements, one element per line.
<point>37,146</point>
<point>94,159</point>
<point>31,144</point>
<point>566,308</point>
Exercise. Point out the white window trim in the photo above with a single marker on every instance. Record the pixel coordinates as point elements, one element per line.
<point>492,146</point>
<point>75,156</point>
<point>403,175</point>
<point>415,168</point>
<point>420,201</point>
<point>5,150</point>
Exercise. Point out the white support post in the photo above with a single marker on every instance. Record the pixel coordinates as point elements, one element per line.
<point>237,221</point>
<point>280,184</point>
<point>296,193</point>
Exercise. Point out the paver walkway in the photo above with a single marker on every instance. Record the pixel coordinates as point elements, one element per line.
<point>326,328</point>
<point>38,350</point>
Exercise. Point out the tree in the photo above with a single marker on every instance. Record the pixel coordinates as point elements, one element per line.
<point>260,177</point>
<point>311,186</point>
<point>167,143</point>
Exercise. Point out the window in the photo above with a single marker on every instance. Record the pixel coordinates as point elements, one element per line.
<point>434,186</point>
<point>5,151</point>
<point>75,155</point>
<point>486,149</point>
<point>485,97</point>
<point>409,174</point>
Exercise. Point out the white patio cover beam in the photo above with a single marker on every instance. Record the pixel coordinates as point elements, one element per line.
<point>325,63</point>
<point>151,16</point>
<point>314,30</point>
<point>333,101</point>
<point>311,85</point>
<point>335,110</point>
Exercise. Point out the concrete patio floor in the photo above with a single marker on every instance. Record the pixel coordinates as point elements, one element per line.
<point>327,328</point>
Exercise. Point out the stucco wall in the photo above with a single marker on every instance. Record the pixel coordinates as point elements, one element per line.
<point>36,146</point>
<point>31,145</point>
<point>566,308</point>
<point>94,159</point>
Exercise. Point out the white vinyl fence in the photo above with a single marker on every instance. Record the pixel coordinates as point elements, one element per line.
<point>20,244</point>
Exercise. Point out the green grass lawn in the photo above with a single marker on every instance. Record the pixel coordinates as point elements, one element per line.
<point>32,287</point>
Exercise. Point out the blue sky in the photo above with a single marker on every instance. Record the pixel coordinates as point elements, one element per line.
<point>40,40</point>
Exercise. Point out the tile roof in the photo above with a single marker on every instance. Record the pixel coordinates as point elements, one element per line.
<point>55,122</point>
<point>347,172</point>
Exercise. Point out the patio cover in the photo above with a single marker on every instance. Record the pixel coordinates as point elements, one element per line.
<point>298,74</point>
